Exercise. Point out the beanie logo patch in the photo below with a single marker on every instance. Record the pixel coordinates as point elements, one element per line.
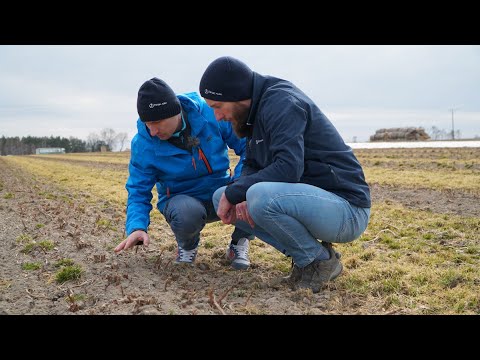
<point>151,106</point>
<point>213,92</point>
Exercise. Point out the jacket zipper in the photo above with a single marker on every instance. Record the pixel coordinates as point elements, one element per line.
<point>202,157</point>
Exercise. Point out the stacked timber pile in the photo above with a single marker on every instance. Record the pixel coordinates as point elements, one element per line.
<point>400,134</point>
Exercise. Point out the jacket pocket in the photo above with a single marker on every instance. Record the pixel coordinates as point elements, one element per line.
<point>320,174</point>
<point>332,172</point>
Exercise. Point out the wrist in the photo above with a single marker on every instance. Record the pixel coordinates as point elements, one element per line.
<point>131,232</point>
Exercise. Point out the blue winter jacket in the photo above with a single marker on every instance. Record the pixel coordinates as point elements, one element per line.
<point>293,141</point>
<point>177,171</point>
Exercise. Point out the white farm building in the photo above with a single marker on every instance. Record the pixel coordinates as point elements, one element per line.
<point>40,151</point>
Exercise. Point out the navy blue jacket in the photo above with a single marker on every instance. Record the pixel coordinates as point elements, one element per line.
<point>293,141</point>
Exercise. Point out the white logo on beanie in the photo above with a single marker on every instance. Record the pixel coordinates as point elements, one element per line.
<point>151,106</point>
<point>212,92</point>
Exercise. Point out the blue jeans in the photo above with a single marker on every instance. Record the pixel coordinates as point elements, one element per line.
<point>293,217</point>
<point>187,216</point>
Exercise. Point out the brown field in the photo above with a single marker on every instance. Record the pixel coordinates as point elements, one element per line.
<point>62,215</point>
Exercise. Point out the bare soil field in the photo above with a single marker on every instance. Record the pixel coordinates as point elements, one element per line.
<point>147,283</point>
<point>442,202</point>
<point>44,226</point>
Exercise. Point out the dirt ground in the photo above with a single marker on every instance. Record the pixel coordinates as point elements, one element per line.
<point>448,201</point>
<point>146,282</point>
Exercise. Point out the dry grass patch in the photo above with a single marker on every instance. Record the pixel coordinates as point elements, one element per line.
<point>409,270</point>
<point>107,184</point>
<point>108,157</point>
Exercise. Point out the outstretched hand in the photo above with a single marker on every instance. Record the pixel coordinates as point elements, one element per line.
<point>132,240</point>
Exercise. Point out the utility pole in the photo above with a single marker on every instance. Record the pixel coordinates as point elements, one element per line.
<point>453,127</point>
<point>453,124</point>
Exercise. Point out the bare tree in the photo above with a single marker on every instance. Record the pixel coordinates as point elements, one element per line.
<point>93,142</point>
<point>122,139</point>
<point>109,137</point>
<point>438,134</point>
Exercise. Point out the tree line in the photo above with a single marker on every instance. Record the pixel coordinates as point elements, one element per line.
<point>28,144</point>
<point>442,134</point>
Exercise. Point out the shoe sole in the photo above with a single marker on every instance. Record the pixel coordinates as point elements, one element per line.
<point>183,263</point>
<point>237,265</point>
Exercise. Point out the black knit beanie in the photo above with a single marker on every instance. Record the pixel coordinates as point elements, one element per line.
<point>227,79</point>
<point>157,101</point>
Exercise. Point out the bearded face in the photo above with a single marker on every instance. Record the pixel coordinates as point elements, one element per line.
<point>239,119</point>
<point>234,112</point>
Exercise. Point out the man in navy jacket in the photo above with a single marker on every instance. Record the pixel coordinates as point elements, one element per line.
<point>181,149</point>
<point>301,187</point>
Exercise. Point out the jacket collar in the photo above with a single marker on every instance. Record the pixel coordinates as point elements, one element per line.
<point>257,92</point>
<point>260,85</point>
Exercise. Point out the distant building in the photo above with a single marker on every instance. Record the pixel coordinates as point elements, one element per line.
<point>40,151</point>
<point>400,134</point>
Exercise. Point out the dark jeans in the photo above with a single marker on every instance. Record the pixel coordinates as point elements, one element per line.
<point>187,217</point>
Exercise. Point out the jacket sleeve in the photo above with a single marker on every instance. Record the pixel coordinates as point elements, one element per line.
<point>284,120</point>
<point>139,186</point>
<point>234,142</point>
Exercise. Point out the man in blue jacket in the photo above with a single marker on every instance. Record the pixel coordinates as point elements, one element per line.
<point>182,149</point>
<point>301,187</point>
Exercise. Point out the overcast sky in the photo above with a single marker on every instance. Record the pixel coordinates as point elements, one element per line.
<point>77,90</point>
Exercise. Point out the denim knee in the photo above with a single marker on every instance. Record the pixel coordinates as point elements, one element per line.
<point>217,195</point>
<point>185,215</point>
<point>258,200</point>
<point>355,226</point>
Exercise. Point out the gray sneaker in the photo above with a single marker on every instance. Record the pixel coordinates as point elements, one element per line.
<point>185,256</point>
<point>317,273</point>
<point>238,254</point>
